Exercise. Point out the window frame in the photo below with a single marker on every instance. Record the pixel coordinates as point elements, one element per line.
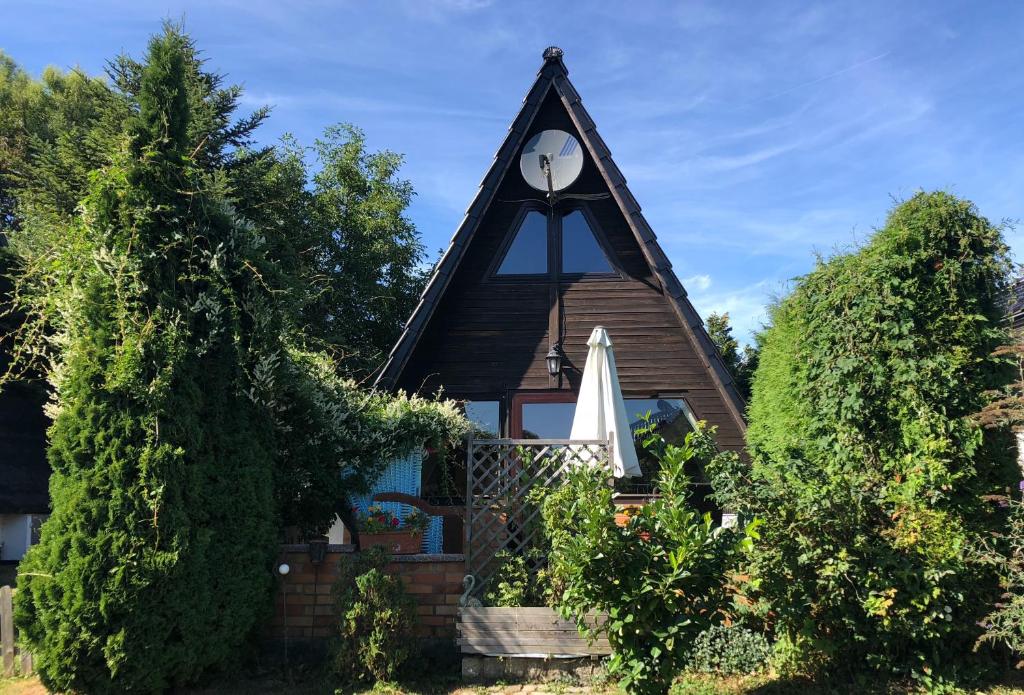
<point>555,248</point>
<point>510,237</point>
<point>520,398</point>
<point>614,272</point>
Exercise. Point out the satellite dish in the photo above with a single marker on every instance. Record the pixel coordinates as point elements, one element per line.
<point>551,161</point>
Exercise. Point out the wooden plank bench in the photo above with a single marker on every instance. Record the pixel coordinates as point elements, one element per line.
<point>525,632</point>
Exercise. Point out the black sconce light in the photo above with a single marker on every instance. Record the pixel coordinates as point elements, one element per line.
<point>554,360</point>
<point>317,550</point>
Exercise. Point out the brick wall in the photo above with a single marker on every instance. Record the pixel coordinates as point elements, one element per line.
<point>303,607</point>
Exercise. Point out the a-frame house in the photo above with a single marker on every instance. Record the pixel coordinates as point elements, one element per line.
<point>522,277</point>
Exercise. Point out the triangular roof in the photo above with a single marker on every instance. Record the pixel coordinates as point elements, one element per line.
<point>553,76</point>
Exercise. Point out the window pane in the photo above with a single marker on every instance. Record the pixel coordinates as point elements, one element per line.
<point>670,415</point>
<point>547,420</point>
<point>485,417</point>
<point>580,251</point>
<point>528,253</point>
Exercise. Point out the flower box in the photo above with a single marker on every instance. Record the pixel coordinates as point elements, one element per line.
<point>395,542</point>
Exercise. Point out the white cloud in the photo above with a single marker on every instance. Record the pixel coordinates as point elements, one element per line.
<point>697,282</point>
<point>747,306</point>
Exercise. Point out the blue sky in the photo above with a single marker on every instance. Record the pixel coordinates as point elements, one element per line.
<point>753,134</point>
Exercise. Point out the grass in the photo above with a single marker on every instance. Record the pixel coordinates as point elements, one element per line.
<point>21,686</point>
<point>689,684</point>
<point>767,684</point>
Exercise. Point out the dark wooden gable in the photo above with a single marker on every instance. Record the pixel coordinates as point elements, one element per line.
<point>484,337</point>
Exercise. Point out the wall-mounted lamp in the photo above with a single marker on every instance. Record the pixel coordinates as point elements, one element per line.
<point>283,569</point>
<point>317,550</point>
<point>554,359</point>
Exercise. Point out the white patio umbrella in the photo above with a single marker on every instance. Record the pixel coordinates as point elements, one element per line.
<point>600,410</point>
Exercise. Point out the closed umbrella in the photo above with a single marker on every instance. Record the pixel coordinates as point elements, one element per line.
<point>600,410</point>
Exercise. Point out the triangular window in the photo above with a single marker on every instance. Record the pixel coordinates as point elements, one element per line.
<point>528,252</point>
<point>581,252</point>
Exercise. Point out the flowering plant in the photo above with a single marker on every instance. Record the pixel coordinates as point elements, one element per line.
<point>416,521</point>
<point>380,520</point>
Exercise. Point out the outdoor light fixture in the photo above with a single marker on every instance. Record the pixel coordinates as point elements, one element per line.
<point>283,569</point>
<point>317,550</point>
<point>554,360</point>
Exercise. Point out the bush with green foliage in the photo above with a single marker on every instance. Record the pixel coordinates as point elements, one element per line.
<point>868,469</point>
<point>514,584</point>
<point>662,577</point>
<point>377,619</point>
<point>1004,626</point>
<point>335,438</point>
<point>730,650</point>
<point>191,417</point>
<point>510,584</point>
<point>154,564</point>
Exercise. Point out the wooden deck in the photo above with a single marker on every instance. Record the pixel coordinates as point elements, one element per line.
<point>525,632</point>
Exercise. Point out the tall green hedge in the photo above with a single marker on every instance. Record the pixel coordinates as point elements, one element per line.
<point>867,467</point>
<point>192,417</point>
<point>156,561</point>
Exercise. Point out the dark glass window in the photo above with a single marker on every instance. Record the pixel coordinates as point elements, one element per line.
<point>581,253</point>
<point>548,420</point>
<point>528,252</point>
<point>670,414</point>
<point>671,417</point>
<point>485,416</point>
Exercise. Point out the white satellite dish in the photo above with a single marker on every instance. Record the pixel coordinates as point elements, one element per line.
<point>551,161</point>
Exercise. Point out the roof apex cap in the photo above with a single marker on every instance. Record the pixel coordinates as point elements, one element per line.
<point>552,53</point>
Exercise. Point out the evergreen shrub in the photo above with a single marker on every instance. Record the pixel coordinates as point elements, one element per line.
<point>163,270</point>
<point>155,563</point>
<point>729,650</point>
<point>376,620</point>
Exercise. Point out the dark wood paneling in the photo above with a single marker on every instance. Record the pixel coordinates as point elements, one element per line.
<point>490,336</point>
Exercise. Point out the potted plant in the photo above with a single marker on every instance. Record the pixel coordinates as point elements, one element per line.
<point>379,527</point>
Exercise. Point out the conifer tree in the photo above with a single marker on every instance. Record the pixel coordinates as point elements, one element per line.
<point>741,364</point>
<point>161,290</point>
<point>155,563</point>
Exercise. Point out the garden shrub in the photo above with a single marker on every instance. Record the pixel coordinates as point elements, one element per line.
<point>154,565</point>
<point>334,438</point>
<point>376,620</point>
<point>1004,626</point>
<point>514,584</point>
<point>511,582</point>
<point>867,467</point>
<point>160,267</point>
<point>729,650</point>
<point>662,578</point>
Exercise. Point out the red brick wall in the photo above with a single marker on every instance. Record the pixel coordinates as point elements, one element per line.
<point>303,607</point>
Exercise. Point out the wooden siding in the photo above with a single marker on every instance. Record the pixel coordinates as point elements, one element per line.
<point>488,336</point>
